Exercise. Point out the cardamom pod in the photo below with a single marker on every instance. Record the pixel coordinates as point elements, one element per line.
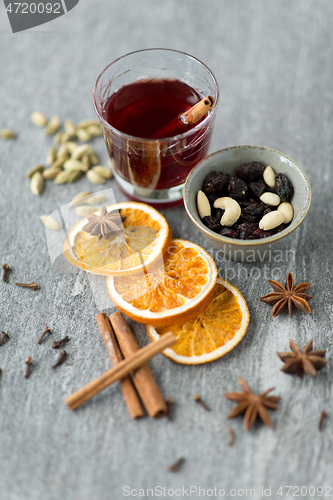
<point>83,135</point>
<point>51,173</point>
<point>59,163</point>
<point>69,127</point>
<point>51,155</point>
<point>75,165</point>
<point>102,171</point>
<point>37,168</point>
<point>74,175</point>
<point>62,178</point>
<point>38,119</point>
<point>94,130</point>
<point>86,161</point>
<point>53,126</point>
<point>87,123</point>
<point>95,178</point>
<point>77,200</point>
<point>36,183</point>
<point>94,159</point>
<point>80,151</point>
<point>63,152</point>
<point>84,210</point>
<point>50,222</point>
<point>96,199</point>
<point>7,133</point>
<point>71,146</point>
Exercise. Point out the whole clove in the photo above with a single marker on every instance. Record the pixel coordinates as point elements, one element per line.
<point>3,337</point>
<point>27,370</point>
<point>198,399</point>
<point>45,332</point>
<point>169,403</point>
<point>61,359</point>
<point>323,415</point>
<point>58,343</point>
<point>33,285</point>
<point>6,269</point>
<point>176,466</point>
<point>232,436</point>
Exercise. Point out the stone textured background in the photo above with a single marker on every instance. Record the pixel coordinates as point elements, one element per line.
<point>273,62</point>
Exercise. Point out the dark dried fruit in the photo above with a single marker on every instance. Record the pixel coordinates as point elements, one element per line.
<point>266,211</point>
<point>214,182</point>
<point>211,223</point>
<point>237,189</point>
<point>250,171</point>
<point>251,213</point>
<point>258,188</point>
<point>283,187</point>
<point>219,214</point>
<point>245,231</point>
<point>225,231</point>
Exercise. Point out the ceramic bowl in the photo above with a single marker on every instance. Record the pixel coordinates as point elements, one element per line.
<point>227,160</point>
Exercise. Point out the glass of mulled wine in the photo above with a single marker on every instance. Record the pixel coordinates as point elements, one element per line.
<point>138,99</point>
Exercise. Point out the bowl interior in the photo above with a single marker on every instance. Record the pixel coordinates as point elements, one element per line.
<point>227,160</point>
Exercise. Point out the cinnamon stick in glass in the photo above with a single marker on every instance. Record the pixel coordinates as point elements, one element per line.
<point>120,370</point>
<point>190,117</point>
<point>143,378</point>
<point>131,397</point>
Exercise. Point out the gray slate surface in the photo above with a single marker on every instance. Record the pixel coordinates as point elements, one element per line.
<point>273,61</point>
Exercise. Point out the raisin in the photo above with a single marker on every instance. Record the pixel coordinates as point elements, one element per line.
<point>245,231</point>
<point>225,231</point>
<point>260,233</point>
<point>211,223</point>
<point>214,182</point>
<point>258,188</point>
<point>237,189</point>
<point>283,187</point>
<point>218,214</point>
<point>266,211</point>
<point>250,171</point>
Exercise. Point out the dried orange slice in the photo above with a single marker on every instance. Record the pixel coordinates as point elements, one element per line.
<point>211,334</point>
<point>177,289</point>
<point>143,239</point>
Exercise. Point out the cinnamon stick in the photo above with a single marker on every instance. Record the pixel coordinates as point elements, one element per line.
<point>120,370</point>
<point>130,395</point>
<point>190,117</point>
<point>143,378</point>
<point>194,114</point>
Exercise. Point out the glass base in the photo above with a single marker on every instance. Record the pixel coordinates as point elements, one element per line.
<point>158,198</point>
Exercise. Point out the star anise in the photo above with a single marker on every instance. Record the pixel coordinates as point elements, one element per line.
<point>252,405</point>
<point>105,224</point>
<point>288,295</point>
<point>308,361</point>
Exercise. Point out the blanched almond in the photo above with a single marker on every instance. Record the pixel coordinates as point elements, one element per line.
<point>271,220</point>
<point>203,205</point>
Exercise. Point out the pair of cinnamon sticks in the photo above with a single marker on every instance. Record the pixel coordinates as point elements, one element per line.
<point>129,366</point>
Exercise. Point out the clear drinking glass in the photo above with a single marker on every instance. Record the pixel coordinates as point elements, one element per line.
<point>154,170</point>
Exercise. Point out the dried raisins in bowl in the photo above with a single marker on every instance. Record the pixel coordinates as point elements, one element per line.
<point>237,241</point>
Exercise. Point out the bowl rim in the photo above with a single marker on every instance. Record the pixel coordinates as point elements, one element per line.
<point>252,243</point>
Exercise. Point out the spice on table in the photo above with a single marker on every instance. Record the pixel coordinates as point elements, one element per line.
<point>198,399</point>
<point>45,332</point>
<point>130,395</point>
<point>177,465</point>
<point>27,370</point>
<point>169,402</point>
<point>288,295</point>
<point>120,370</point>
<point>58,343</point>
<point>143,378</point>
<point>61,359</point>
<point>6,269</point>
<point>252,405</point>
<point>105,224</point>
<point>33,285</point>
<point>3,337</point>
<point>308,361</point>
<point>323,415</point>
<point>232,436</point>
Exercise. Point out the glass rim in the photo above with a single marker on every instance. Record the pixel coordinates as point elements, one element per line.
<point>177,137</point>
